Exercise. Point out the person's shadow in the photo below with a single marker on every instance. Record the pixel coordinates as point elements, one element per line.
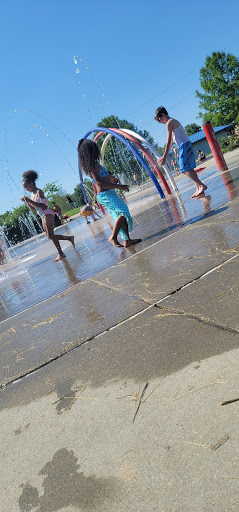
<point>65,487</point>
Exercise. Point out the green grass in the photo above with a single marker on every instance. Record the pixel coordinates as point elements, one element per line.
<point>72,212</point>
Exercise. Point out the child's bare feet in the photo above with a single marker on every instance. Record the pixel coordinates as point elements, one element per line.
<point>60,256</point>
<point>114,242</point>
<point>128,243</point>
<point>201,189</point>
<point>195,193</point>
<point>72,240</point>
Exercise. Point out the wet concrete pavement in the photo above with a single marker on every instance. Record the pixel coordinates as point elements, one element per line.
<point>31,277</point>
<point>166,315</point>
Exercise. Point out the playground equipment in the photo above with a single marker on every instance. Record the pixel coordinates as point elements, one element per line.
<point>128,135</point>
<point>214,146</point>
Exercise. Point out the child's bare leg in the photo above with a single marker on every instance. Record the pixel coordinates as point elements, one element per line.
<point>69,238</point>
<point>200,187</point>
<point>118,225</point>
<point>48,225</point>
<point>94,216</point>
<point>121,223</point>
<point>124,225</point>
<point>129,242</point>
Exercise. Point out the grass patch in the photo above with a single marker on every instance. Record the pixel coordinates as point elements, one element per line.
<point>73,211</point>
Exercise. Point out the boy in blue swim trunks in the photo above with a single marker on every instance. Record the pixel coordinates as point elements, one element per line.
<point>177,134</point>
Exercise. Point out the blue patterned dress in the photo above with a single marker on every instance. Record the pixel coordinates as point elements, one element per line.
<point>115,205</point>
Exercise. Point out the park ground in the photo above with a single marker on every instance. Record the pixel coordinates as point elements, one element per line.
<point>119,393</point>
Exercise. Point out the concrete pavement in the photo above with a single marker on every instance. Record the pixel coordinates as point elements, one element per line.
<point>164,320</point>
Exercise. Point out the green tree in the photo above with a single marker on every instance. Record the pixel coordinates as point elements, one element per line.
<point>77,195</point>
<point>54,192</point>
<point>51,190</point>
<point>120,160</point>
<point>219,79</point>
<point>192,128</point>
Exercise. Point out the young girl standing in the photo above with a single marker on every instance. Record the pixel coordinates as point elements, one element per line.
<point>89,156</point>
<point>38,203</point>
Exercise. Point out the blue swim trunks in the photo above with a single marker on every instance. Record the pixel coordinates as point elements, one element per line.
<point>186,157</point>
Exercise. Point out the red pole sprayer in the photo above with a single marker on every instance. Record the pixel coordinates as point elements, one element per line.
<point>215,146</point>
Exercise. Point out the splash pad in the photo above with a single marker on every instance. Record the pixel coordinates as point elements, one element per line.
<point>136,140</point>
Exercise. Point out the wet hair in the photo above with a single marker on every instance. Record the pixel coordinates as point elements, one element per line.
<point>29,176</point>
<point>89,154</point>
<point>160,110</point>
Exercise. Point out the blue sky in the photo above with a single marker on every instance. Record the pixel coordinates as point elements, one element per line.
<point>132,57</point>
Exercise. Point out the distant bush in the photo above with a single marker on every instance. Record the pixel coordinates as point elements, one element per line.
<point>230,142</point>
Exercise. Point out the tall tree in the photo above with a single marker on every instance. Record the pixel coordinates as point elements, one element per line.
<point>192,128</point>
<point>219,79</point>
<point>77,195</point>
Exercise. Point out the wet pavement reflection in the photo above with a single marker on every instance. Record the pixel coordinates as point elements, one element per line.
<point>32,277</point>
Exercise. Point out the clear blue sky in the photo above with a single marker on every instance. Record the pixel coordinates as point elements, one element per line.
<point>135,56</point>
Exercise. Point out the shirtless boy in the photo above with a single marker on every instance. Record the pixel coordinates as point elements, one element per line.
<point>177,134</point>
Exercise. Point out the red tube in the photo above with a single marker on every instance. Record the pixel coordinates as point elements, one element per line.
<point>215,146</point>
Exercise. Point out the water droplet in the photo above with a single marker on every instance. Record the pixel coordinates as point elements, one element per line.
<point>75,58</point>
<point>77,70</point>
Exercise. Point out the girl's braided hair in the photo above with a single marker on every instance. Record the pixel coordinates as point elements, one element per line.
<point>89,154</point>
<point>30,176</point>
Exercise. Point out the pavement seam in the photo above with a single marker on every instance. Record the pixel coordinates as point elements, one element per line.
<point>200,319</point>
<point>197,278</point>
<point>25,375</point>
<point>155,304</point>
<point>135,297</point>
<point>135,315</point>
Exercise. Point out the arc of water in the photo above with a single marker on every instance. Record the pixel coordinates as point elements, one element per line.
<point>134,151</point>
<point>146,153</point>
<point>165,167</point>
<point>156,154</point>
<point>171,199</point>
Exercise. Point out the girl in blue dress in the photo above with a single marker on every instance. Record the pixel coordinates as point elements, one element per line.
<point>89,157</point>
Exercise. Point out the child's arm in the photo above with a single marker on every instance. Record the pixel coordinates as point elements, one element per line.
<point>108,186</point>
<point>26,200</point>
<point>107,183</point>
<point>162,160</point>
<point>32,203</point>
